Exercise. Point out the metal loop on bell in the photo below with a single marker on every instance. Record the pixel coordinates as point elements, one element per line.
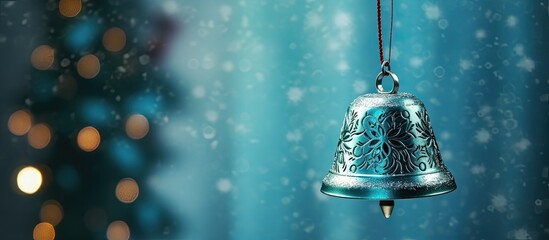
<point>385,66</point>
<point>379,80</point>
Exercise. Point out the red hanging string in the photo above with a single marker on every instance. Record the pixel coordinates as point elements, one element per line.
<point>379,32</point>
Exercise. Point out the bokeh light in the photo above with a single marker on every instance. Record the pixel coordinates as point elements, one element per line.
<point>70,8</point>
<point>20,122</point>
<point>137,126</point>
<point>114,39</point>
<point>39,136</point>
<point>118,230</point>
<point>88,139</point>
<point>127,190</point>
<point>88,66</point>
<point>42,57</point>
<point>51,212</point>
<point>43,231</point>
<point>29,180</point>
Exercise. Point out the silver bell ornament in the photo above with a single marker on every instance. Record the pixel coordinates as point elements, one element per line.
<point>387,150</point>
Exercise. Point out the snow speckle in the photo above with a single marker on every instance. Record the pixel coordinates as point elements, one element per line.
<point>499,203</point>
<point>465,64</point>
<point>342,20</point>
<point>170,7</point>
<point>7,4</point>
<point>208,132</point>
<point>313,20</point>
<point>478,169</point>
<point>343,66</point>
<point>228,66</point>
<point>484,111</point>
<point>480,34</point>
<point>295,94</point>
<point>442,23</point>
<point>225,11</point>
<point>286,200</point>
<point>309,228</point>
<point>522,144</point>
<point>211,116</point>
<point>521,234</point>
<point>453,222</point>
<point>483,136</point>
<point>511,21</point>
<point>144,59</point>
<point>416,62</point>
<point>294,136</point>
<point>519,49</point>
<point>431,11</point>
<point>360,86</point>
<point>445,135</point>
<point>199,92</point>
<point>526,64</point>
<point>224,185</point>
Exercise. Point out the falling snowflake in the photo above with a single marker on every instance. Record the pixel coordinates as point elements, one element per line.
<point>499,203</point>
<point>295,94</point>
<point>342,20</point>
<point>199,92</point>
<point>478,169</point>
<point>483,136</point>
<point>453,222</point>
<point>432,12</point>
<point>445,135</point>
<point>211,116</point>
<point>526,64</point>
<point>484,111</point>
<point>225,11</point>
<point>519,49</point>
<point>360,86</point>
<point>294,136</point>
<point>521,234</point>
<point>480,34</point>
<point>465,64</point>
<point>313,20</point>
<point>309,228</point>
<point>343,66</point>
<point>170,7</point>
<point>228,66</point>
<point>522,144</point>
<point>511,21</point>
<point>224,185</point>
<point>416,62</point>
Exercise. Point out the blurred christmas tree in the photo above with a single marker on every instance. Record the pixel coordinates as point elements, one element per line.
<point>97,94</point>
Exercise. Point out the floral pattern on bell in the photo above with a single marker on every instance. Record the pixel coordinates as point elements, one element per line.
<point>430,150</point>
<point>344,147</point>
<point>385,140</point>
<point>388,140</point>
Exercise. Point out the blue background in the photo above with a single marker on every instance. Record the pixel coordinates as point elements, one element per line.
<point>268,83</point>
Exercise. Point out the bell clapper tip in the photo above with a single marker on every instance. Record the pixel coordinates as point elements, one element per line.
<point>387,207</point>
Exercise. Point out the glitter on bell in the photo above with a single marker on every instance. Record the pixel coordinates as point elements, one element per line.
<point>387,150</point>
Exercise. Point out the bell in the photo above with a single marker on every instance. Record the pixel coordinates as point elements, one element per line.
<point>387,150</point>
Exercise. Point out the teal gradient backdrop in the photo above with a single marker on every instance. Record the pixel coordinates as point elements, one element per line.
<point>274,80</point>
<point>262,89</point>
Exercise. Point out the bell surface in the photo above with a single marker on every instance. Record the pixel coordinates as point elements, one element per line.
<point>387,150</point>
